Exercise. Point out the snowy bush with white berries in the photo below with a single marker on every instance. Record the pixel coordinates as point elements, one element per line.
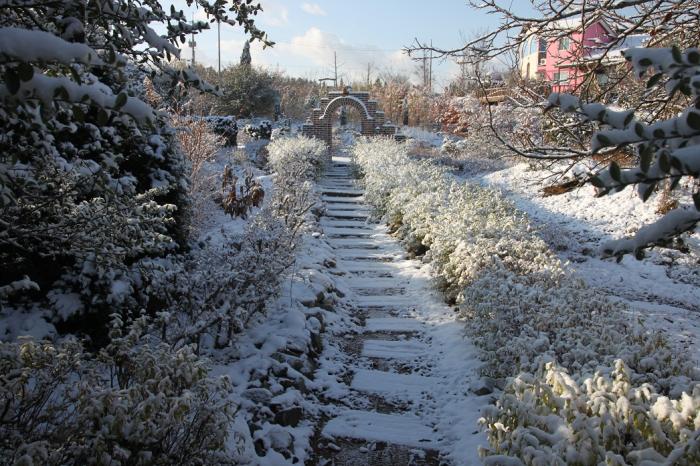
<point>523,308</point>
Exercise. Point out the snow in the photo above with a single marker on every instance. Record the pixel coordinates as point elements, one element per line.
<point>45,88</point>
<point>426,362</point>
<point>400,429</point>
<point>390,383</point>
<point>393,324</point>
<point>388,349</point>
<point>29,45</point>
<point>577,223</point>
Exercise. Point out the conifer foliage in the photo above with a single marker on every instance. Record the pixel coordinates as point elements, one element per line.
<point>91,178</point>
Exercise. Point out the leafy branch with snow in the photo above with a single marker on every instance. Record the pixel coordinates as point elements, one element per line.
<point>667,150</point>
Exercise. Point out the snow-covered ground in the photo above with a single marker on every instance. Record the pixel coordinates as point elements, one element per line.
<point>663,289</point>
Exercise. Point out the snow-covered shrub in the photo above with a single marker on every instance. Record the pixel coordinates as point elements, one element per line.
<point>555,418</point>
<point>523,308</point>
<point>475,123</point>
<point>521,320</point>
<point>224,126</point>
<point>263,130</point>
<point>91,177</point>
<point>297,157</point>
<point>239,199</point>
<point>135,402</point>
<point>199,144</point>
<point>209,295</point>
<point>668,149</point>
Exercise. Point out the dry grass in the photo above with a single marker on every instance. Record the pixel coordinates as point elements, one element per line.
<point>557,189</point>
<point>199,145</point>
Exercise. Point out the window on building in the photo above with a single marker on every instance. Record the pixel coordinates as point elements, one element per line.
<point>542,52</point>
<point>564,43</point>
<point>561,77</point>
<point>602,77</point>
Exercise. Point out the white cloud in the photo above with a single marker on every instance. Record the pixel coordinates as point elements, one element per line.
<point>315,49</point>
<point>274,14</point>
<point>311,55</point>
<point>313,9</point>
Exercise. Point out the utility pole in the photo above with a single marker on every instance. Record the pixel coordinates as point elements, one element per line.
<point>430,72</point>
<point>463,63</point>
<point>218,32</point>
<point>369,70</point>
<point>192,43</point>
<point>335,68</point>
<point>425,73</point>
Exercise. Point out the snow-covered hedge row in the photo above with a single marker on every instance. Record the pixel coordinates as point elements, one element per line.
<point>146,397</point>
<point>522,306</point>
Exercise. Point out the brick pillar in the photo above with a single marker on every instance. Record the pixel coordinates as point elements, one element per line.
<point>367,127</point>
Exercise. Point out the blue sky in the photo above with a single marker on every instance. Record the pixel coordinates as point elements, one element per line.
<point>362,32</point>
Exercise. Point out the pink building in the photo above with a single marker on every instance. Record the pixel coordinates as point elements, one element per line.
<point>558,61</point>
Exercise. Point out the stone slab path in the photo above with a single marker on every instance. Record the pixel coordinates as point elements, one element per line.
<point>399,385</point>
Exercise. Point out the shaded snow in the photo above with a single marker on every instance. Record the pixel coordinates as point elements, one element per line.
<point>663,290</point>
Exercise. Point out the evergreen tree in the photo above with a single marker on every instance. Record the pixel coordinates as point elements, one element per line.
<point>246,59</point>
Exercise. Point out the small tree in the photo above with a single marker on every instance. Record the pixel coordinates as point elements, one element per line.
<point>246,59</point>
<point>247,91</point>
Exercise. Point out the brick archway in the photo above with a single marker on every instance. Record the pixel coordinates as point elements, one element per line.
<point>320,123</point>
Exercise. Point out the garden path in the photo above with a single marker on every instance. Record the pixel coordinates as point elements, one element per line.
<point>413,387</point>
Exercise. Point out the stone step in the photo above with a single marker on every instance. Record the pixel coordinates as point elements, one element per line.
<point>348,223</point>
<point>394,349</point>
<point>335,185</point>
<point>339,207</point>
<point>340,214</point>
<point>355,255</point>
<point>369,283</point>
<point>385,301</point>
<point>369,268</point>
<point>347,233</point>
<point>344,200</point>
<point>362,246</point>
<point>390,383</point>
<point>379,291</point>
<point>382,240</point>
<point>342,192</point>
<point>393,324</point>
<point>399,429</point>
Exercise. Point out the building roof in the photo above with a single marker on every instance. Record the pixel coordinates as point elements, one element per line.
<point>615,54</point>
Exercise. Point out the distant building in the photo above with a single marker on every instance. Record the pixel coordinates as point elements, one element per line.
<point>562,61</point>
